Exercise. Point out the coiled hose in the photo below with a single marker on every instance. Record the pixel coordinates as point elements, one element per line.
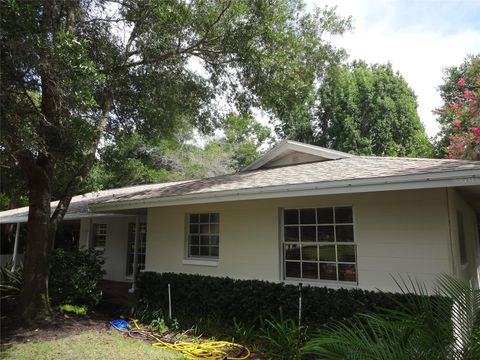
<point>207,350</point>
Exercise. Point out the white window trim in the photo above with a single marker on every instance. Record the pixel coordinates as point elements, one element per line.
<point>94,234</point>
<point>200,262</point>
<point>319,282</point>
<point>199,259</point>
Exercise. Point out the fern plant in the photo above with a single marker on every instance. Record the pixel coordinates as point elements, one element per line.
<point>445,326</point>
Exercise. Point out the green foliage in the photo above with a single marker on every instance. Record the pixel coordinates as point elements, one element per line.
<point>10,285</point>
<point>446,328</point>
<point>282,339</point>
<point>74,309</point>
<point>196,298</point>
<point>74,277</point>
<point>365,110</point>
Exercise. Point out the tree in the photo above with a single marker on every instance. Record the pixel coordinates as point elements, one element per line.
<point>459,117</point>
<point>363,109</point>
<point>76,73</point>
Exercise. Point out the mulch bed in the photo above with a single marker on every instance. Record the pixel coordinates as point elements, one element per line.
<point>54,327</point>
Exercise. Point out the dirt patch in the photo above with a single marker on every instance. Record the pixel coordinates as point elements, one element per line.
<point>56,326</point>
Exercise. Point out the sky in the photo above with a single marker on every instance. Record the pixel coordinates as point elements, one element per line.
<point>419,39</point>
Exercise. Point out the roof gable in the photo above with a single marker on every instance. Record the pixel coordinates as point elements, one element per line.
<point>290,152</point>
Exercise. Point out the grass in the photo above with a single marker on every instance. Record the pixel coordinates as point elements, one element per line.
<point>91,344</point>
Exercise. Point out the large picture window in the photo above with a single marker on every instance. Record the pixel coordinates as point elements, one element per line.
<point>203,239</point>
<point>319,244</point>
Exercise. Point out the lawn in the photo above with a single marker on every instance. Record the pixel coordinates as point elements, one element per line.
<point>89,344</point>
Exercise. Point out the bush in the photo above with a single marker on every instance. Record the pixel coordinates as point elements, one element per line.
<point>10,285</point>
<point>197,299</point>
<point>74,277</point>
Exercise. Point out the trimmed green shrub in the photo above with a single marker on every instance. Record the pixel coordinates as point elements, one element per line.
<point>74,276</point>
<point>197,298</point>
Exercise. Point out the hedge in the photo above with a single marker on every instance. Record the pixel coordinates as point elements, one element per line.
<point>196,298</point>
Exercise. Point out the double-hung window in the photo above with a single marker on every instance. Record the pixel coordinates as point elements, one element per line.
<point>319,244</point>
<point>99,239</point>
<point>203,235</point>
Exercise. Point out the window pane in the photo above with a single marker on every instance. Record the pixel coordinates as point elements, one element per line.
<point>310,270</point>
<point>290,217</point>
<point>204,218</point>
<point>346,253</point>
<point>344,233</point>
<point>214,240</point>
<point>292,252</point>
<point>325,216</point>
<point>213,228</point>
<point>214,251</point>
<point>194,250</point>
<point>347,272</point>
<point>309,252</point>
<point>307,216</point>
<point>328,271</point>
<point>204,229</point>
<point>291,233</point>
<point>327,253</point>
<point>326,233</point>
<point>204,240</point>
<point>194,218</point>
<point>292,269</point>
<point>194,240</point>
<point>308,233</point>
<point>204,251</point>
<point>194,229</point>
<point>343,215</point>
<point>214,218</point>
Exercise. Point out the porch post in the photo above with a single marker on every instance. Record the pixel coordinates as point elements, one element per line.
<point>15,247</point>
<point>135,251</point>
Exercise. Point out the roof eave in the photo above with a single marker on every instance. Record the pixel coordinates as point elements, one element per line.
<point>392,183</point>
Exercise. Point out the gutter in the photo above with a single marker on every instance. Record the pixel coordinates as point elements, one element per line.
<point>409,182</point>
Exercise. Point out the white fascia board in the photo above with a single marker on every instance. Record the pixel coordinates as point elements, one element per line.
<point>24,218</point>
<point>289,145</point>
<point>393,183</point>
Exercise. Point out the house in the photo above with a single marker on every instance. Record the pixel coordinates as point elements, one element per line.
<point>300,213</point>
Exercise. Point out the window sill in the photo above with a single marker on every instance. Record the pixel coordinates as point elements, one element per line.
<point>199,262</point>
<point>326,283</point>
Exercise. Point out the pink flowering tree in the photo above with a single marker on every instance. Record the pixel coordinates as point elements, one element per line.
<point>459,117</point>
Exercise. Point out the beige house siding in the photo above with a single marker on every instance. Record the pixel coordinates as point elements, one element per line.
<point>471,269</point>
<point>115,253</point>
<point>401,232</point>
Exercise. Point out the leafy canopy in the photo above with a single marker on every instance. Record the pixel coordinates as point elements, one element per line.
<point>362,109</point>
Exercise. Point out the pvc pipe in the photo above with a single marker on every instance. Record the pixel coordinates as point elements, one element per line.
<point>169,302</point>
<point>15,247</point>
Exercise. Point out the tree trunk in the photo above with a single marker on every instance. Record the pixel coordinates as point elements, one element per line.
<point>34,302</point>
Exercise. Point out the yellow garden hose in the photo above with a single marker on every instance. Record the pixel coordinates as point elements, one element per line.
<point>207,350</point>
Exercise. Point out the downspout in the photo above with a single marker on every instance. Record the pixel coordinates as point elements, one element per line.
<point>15,247</point>
<point>135,252</point>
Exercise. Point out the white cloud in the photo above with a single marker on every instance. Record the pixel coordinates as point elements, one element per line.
<point>416,49</point>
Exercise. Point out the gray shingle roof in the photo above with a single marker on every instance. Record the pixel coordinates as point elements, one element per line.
<point>358,167</point>
<point>79,205</point>
<point>351,168</point>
